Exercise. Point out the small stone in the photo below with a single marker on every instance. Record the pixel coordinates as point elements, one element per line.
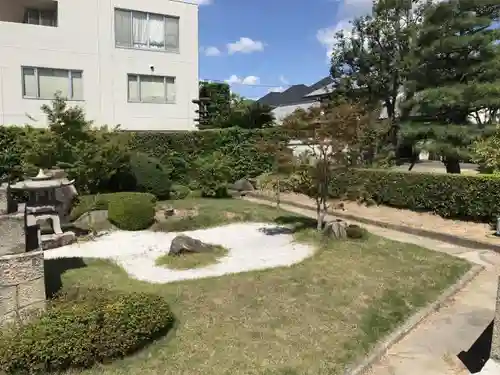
<point>169,212</point>
<point>243,185</point>
<point>185,244</point>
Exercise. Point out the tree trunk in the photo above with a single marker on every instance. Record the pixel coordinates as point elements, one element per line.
<point>452,165</point>
<point>319,216</point>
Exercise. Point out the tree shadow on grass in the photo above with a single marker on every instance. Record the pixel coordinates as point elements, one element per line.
<point>479,353</point>
<point>297,223</point>
<point>289,224</point>
<point>53,270</point>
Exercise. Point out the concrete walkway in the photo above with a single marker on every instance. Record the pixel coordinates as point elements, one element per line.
<point>432,347</point>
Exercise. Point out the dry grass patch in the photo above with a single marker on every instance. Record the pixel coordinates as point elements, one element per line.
<point>185,261</point>
<point>313,318</point>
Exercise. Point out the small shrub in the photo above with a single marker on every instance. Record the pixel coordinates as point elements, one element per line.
<point>213,175</point>
<point>150,175</point>
<point>355,232</point>
<point>82,328</point>
<point>131,211</point>
<point>179,192</point>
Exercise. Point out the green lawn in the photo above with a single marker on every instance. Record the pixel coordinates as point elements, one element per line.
<point>312,318</point>
<point>192,260</point>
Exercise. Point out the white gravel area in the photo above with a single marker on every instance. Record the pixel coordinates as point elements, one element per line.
<point>250,248</point>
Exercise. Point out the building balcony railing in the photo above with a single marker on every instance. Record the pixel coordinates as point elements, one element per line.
<point>32,12</point>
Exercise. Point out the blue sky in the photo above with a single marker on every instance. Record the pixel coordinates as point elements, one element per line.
<point>270,42</point>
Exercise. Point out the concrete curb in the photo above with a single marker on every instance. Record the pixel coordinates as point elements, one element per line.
<point>381,349</point>
<point>449,238</point>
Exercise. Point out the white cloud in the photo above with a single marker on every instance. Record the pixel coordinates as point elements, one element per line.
<point>245,45</point>
<point>326,36</point>
<point>283,80</point>
<point>349,10</point>
<point>201,2</point>
<point>211,51</point>
<point>276,89</point>
<point>248,80</point>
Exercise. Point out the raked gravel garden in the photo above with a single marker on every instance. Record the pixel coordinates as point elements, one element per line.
<point>276,302</point>
<point>250,246</point>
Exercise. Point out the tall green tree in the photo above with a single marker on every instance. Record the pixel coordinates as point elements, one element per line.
<point>454,84</point>
<point>250,115</point>
<point>370,62</point>
<point>218,106</point>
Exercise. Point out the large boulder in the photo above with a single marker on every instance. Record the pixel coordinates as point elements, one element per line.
<point>185,244</point>
<point>336,229</point>
<point>243,185</point>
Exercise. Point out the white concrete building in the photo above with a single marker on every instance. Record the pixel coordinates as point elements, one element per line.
<point>127,62</point>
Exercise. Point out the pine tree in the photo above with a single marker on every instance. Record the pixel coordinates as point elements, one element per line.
<point>454,84</point>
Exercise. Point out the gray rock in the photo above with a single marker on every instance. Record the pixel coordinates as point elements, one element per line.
<point>184,244</point>
<point>53,241</point>
<point>335,229</point>
<point>243,185</point>
<point>92,217</point>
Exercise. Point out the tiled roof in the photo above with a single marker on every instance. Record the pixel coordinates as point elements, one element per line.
<point>294,94</point>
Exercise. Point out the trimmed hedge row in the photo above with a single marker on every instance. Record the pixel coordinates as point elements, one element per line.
<point>464,197</point>
<point>180,150</point>
<point>82,328</point>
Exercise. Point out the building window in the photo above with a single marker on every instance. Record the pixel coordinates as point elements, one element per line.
<point>44,83</point>
<point>146,30</point>
<point>151,89</point>
<point>44,17</point>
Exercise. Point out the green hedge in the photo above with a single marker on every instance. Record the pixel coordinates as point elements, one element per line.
<point>131,211</point>
<point>451,196</point>
<point>87,203</point>
<point>84,327</point>
<point>179,151</point>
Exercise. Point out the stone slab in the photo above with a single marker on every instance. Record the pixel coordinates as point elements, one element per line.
<point>27,312</point>
<point>11,234</point>
<point>52,241</point>
<point>19,268</point>
<point>495,343</point>
<point>31,292</point>
<point>492,367</point>
<point>8,296</point>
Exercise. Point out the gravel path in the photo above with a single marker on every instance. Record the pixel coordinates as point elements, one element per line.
<point>250,248</point>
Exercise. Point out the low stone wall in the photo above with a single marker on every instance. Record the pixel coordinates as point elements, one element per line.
<point>22,285</point>
<point>11,234</point>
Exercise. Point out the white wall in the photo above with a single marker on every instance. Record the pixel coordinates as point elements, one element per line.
<point>84,40</point>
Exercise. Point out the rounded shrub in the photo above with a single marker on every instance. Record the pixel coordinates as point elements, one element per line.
<point>82,328</point>
<point>131,211</point>
<point>213,175</point>
<point>355,232</point>
<point>179,192</point>
<point>150,175</point>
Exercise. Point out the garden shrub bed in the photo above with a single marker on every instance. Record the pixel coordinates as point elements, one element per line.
<point>83,327</point>
<point>464,197</point>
